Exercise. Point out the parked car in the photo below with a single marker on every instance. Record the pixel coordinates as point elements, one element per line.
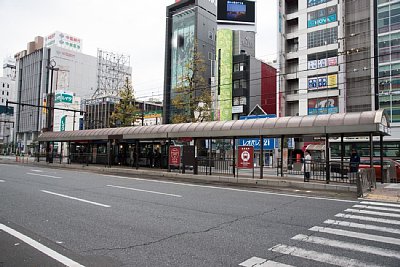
<point>365,163</point>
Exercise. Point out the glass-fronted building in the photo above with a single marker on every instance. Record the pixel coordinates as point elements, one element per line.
<point>190,23</point>
<point>389,57</point>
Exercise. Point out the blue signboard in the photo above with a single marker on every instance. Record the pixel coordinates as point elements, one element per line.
<point>269,143</point>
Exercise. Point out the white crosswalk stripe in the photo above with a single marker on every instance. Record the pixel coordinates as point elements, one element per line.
<point>376,208</point>
<point>377,238</point>
<point>381,204</point>
<point>320,256</point>
<point>366,218</point>
<point>363,226</point>
<point>368,228</point>
<point>373,213</point>
<point>260,262</point>
<point>349,246</point>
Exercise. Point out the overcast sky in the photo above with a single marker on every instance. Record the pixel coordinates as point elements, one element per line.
<point>132,27</point>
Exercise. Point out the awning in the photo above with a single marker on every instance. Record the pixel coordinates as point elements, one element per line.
<point>349,124</point>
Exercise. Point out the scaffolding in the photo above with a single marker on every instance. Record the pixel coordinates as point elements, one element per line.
<point>112,71</point>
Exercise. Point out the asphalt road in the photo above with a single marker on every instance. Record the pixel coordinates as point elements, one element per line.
<point>51,217</point>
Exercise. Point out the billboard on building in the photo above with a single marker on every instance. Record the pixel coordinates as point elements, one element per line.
<point>64,40</point>
<point>64,120</point>
<point>238,12</point>
<point>224,45</point>
<point>324,105</point>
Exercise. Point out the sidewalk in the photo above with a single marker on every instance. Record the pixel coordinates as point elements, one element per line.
<point>385,192</point>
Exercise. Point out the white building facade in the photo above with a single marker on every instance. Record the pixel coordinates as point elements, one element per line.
<point>325,56</point>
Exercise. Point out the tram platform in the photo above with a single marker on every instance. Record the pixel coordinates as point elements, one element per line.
<point>292,183</point>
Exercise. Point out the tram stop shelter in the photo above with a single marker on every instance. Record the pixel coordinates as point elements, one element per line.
<point>101,144</point>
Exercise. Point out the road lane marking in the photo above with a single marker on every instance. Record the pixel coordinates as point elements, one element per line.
<point>373,213</point>
<point>366,218</point>
<point>75,198</point>
<point>363,226</point>
<point>273,264</point>
<point>146,191</point>
<point>49,252</point>
<point>252,261</point>
<point>2,181</point>
<point>349,246</point>
<point>319,256</point>
<point>377,238</point>
<point>36,171</point>
<point>260,262</point>
<point>380,204</point>
<point>44,175</point>
<point>376,208</point>
<point>229,189</point>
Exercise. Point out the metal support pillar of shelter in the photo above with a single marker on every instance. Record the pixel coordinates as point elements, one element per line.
<point>381,155</point>
<point>342,151</point>
<point>281,156</point>
<point>261,157</point>
<point>137,148</point>
<point>327,158</point>
<point>209,154</point>
<point>69,152</point>
<point>234,156</point>
<point>371,150</point>
<point>109,153</point>
<point>168,148</point>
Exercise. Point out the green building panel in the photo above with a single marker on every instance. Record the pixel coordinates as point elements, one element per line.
<point>224,44</point>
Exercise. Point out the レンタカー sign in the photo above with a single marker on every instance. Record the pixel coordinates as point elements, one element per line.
<point>174,155</point>
<point>245,157</point>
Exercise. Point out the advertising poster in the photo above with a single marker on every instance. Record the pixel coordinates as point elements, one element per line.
<point>322,82</point>
<point>325,105</point>
<point>174,155</point>
<point>332,61</point>
<point>332,81</point>
<point>245,157</point>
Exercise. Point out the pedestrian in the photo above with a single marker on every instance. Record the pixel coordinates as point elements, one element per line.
<point>354,161</point>
<point>307,166</point>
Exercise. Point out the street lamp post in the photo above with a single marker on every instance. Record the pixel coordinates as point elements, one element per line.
<point>51,66</point>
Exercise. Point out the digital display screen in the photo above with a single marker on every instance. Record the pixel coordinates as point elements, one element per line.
<point>236,11</point>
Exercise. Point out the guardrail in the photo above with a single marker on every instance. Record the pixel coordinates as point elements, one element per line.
<point>366,181</point>
<point>338,172</point>
<point>210,166</point>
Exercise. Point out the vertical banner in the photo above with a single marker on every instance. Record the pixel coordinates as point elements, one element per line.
<point>245,157</point>
<point>224,44</point>
<point>174,155</point>
<point>62,123</point>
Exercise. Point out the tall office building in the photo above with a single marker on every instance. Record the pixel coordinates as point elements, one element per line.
<point>326,56</point>
<point>190,23</point>
<point>7,93</point>
<point>74,74</point>
<point>388,38</point>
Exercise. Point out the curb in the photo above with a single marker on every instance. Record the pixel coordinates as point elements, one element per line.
<point>266,182</point>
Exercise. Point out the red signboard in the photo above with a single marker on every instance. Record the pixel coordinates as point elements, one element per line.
<point>174,155</point>
<point>245,157</point>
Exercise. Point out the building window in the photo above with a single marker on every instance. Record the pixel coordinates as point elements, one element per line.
<point>239,67</point>
<point>322,37</point>
<point>210,35</point>
<point>236,84</point>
